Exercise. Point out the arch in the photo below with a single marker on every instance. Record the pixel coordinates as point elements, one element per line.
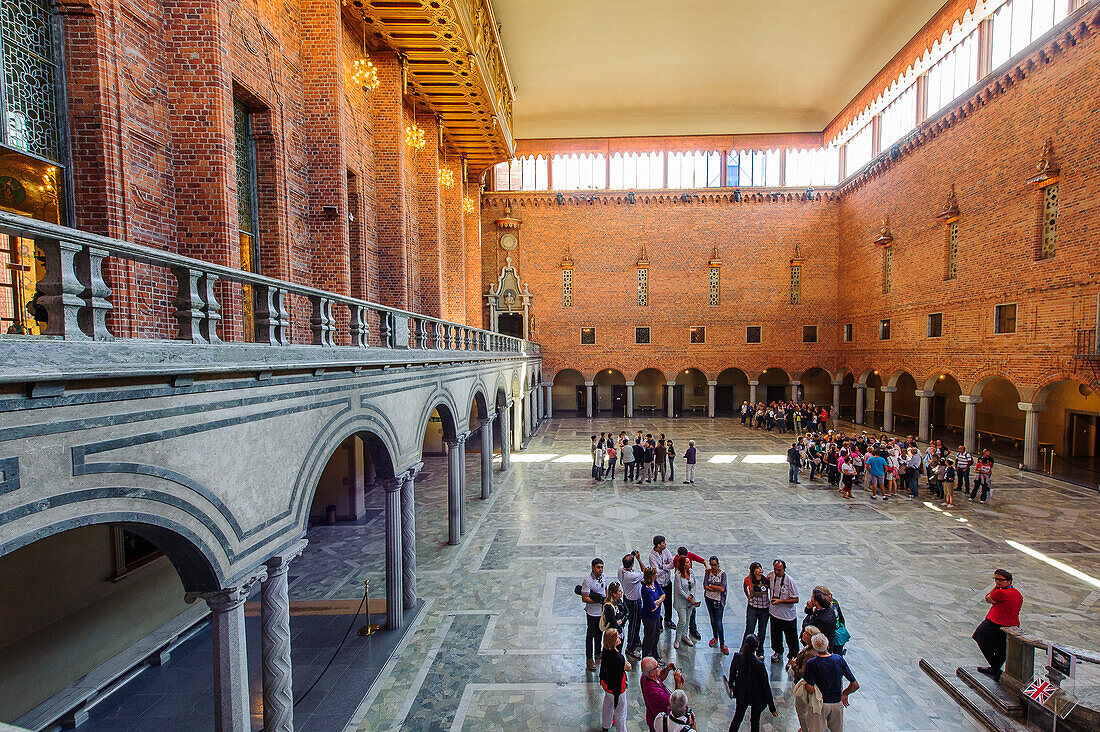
<point>566,391</point>
<point>989,378</point>
<point>732,390</point>
<point>864,375</point>
<point>650,390</point>
<point>905,403</point>
<point>940,375</point>
<point>817,386</point>
<point>774,385</point>
<point>442,403</point>
<point>692,382</point>
<point>479,404</point>
<point>664,377</point>
<point>609,391</point>
<point>998,413</point>
<point>1052,384</point>
<point>196,559</point>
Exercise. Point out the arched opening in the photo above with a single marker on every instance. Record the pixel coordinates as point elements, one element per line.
<point>848,397</point>
<point>872,401</point>
<point>501,407</point>
<point>689,395</point>
<point>650,392</point>
<point>732,389</point>
<point>439,440</point>
<point>775,386</point>
<point>87,596</point>
<point>479,448</point>
<point>568,393</point>
<point>609,392</point>
<point>1069,431</point>
<point>946,411</point>
<point>998,421</point>
<point>906,404</point>
<point>817,387</point>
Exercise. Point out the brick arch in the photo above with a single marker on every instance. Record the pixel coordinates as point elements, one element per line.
<point>934,376</point>
<point>1042,392</point>
<point>980,382</point>
<point>648,368</point>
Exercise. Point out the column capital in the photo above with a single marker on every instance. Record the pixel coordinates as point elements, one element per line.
<point>232,597</point>
<point>859,386</point>
<point>670,382</point>
<point>547,384</point>
<point>795,382</point>
<point>924,393</point>
<point>393,485</point>
<point>969,399</point>
<point>888,389</point>
<point>589,383</point>
<point>280,562</point>
<point>838,383</point>
<point>712,383</point>
<point>458,439</point>
<point>509,402</point>
<point>1031,407</point>
<point>488,418</point>
<point>754,382</point>
<point>629,383</point>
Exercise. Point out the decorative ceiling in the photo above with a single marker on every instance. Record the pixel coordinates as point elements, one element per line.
<point>614,68</point>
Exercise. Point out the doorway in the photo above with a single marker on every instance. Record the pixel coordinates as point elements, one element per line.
<point>776,393</point>
<point>725,400</point>
<point>510,324</point>
<point>582,400</point>
<point>618,400</point>
<point>939,410</point>
<point>1084,437</point>
<point>677,400</point>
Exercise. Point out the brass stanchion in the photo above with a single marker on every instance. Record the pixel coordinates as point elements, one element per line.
<point>370,628</point>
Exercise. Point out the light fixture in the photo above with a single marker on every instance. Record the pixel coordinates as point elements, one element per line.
<point>366,75</point>
<point>446,177</point>
<point>885,238</point>
<point>468,205</point>
<point>414,134</point>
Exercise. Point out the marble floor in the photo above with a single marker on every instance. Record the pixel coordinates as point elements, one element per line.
<point>500,643</point>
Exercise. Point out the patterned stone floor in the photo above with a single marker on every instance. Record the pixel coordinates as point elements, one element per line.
<point>500,644</point>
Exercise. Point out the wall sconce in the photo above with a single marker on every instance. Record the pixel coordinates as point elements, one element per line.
<point>810,193</point>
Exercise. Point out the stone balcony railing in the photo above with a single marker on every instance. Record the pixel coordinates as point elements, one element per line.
<point>77,341</point>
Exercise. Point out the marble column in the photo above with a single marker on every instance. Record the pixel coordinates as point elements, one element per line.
<point>536,407</point>
<point>1031,412</point>
<point>278,677</point>
<point>970,413</point>
<point>408,536</point>
<point>455,467</point>
<point>888,407</point>
<point>462,484</point>
<point>752,392</point>
<point>861,390</point>
<point>517,424</point>
<point>231,700</point>
<point>836,400</point>
<point>794,390</point>
<point>924,420</point>
<point>395,555</point>
<point>712,387</point>
<point>630,400</point>
<point>487,456</point>
<point>588,399</point>
<point>505,438</point>
<point>671,391</point>
<point>549,400</point>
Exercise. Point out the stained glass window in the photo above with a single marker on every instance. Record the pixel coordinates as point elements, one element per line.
<point>32,121</point>
<point>643,286</point>
<point>567,288</point>
<point>715,286</point>
<point>952,250</point>
<point>796,284</point>
<point>1050,221</point>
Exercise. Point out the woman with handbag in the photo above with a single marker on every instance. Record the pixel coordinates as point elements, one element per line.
<point>714,592</point>
<point>684,600</point>
<point>749,685</point>
<point>613,668</point>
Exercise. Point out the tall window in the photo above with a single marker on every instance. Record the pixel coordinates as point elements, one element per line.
<point>935,325</point>
<point>884,329</point>
<point>796,284</point>
<point>887,270</point>
<point>747,168</point>
<point>1050,222</point>
<point>32,122</point>
<point>695,169</point>
<point>899,117</point>
<point>698,334</point>
<point>637,170</point>
<point>859,150</point>
<point>643,286</point>
<point>846,333</point>
<point>1019,22</point>
<point>809,334</point>
<point>952,250</point>
<point>579,172</point>
<point>588,336</point>
<point>247,223</point>
<point>715,286</point>
<point>1004,320</point>
<point>528,173</point>
<point>953,74</point>
<point>567,288</point>
<point>820,167</point>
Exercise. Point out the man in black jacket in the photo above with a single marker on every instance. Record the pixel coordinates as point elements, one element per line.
<point>794,461</point>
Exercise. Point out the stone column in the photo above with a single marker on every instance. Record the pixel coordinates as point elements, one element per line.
<point>752,392</point>
<point>517,424</point>
<point>794,390</point>
<point>505,437</point>
<point>836,400</point>
<point>462,484</point>
<point>711,389</point>
<point>588,399</point>
<point>395,555</point>
<point>549,400</point>
<point>888,407</point>
<point>970,410</point>
<point>861,391</point>
<point>455,467</point>
<point>630,400</point>
<point>924,421</point>
<point>231,701</point>
<point>1031,433</point>
<point>278,677</point>
<point>408,536</point>
<point>670,398</point>
<point>487,456</point>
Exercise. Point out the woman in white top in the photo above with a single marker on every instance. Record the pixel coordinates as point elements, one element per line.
<point>683,593</point>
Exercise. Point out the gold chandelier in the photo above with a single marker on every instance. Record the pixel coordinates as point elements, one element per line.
<point>366,75</point>
<point>468,205</point>
<point>446,177</point>
<point>414,135</point>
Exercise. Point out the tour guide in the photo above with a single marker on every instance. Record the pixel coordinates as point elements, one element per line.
<point>1006,601</point>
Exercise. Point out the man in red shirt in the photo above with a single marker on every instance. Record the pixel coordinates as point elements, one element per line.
<point>1005,601</point>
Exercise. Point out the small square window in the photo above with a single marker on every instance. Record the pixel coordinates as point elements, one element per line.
<point>809,334</point>
<point>1005,320</point>
<point>752,334</point>
<point>588,336</point>
<point>641,336</point>
<point>699,334</point>
<point>884,329</point>
<point>935,325</point>
<point>847,332</point>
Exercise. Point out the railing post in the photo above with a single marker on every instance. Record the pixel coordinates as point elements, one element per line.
<point>96,294</point>
<point>211,309</point>
<point>422,333</point>
<point>439,335</point>
<point>188,305</point>
<point>270,315</point>
<point>358,325</point>
<point>321,321</point>
<point>61,289</point>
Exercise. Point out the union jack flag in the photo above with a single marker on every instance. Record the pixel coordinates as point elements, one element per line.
<point>1040,690</point>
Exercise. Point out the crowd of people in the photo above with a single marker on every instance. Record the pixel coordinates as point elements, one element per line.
<point>627,618</point>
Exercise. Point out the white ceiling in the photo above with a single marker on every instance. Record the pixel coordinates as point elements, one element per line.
<point>610,68</point>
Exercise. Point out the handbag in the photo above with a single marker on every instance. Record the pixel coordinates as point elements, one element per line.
<point>841,635</point>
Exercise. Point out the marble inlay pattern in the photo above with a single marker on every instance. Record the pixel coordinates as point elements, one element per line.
<point>501,641</point>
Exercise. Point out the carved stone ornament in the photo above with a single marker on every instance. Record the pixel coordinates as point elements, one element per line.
<point>950,210</point>
<point>715,260</point>
<point>567,259</point>
<point>1047,168</point>
<point>797,258</point>
<point>885,238</point>
<point>506,222</point>
<point>643,258</point>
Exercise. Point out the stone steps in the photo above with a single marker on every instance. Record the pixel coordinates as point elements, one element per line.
<point>984,713</point>
<point>993,693</point>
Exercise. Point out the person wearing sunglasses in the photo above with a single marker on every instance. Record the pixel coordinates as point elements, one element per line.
<point>1005,601</point>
